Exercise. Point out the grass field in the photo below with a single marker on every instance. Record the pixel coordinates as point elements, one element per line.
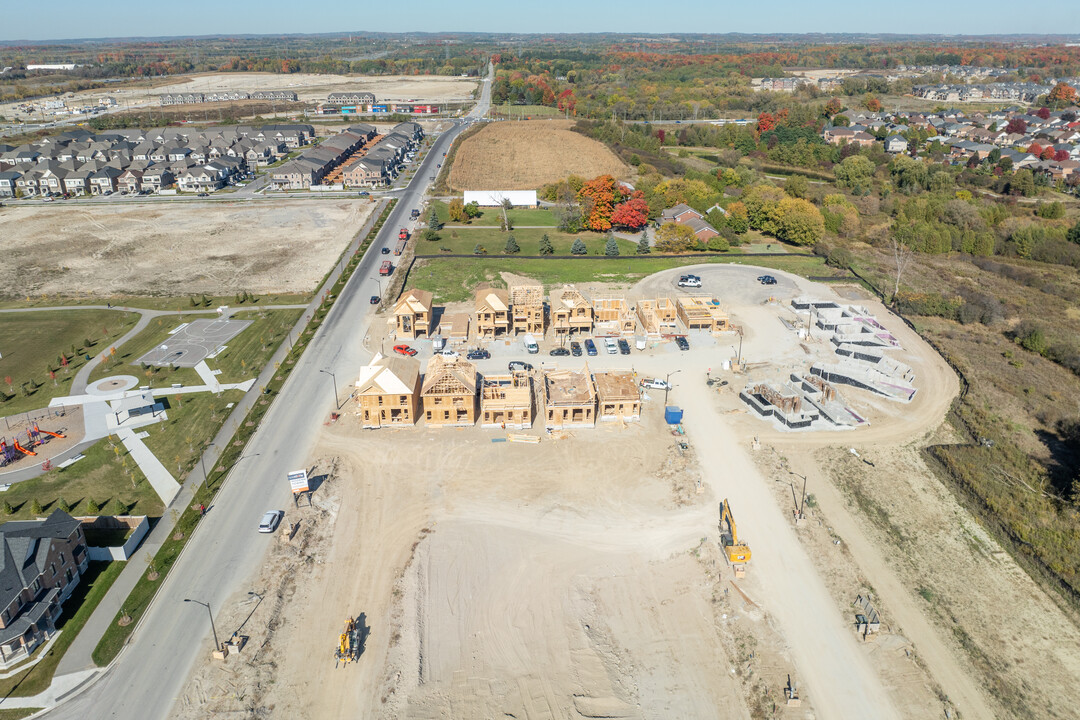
<point>525,112</point>
<point>193,421</point>
<point>32,342</point>
<point>528,239</point>
<point>77,610</point>
<point>104,475</point>
<point>453,279</point>
<point>492,217</point>
<point>526,155</point>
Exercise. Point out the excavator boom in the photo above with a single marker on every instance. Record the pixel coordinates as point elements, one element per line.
<point>736,552</point>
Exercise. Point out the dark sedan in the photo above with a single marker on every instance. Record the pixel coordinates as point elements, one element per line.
<point>478,355</point>
<point>575,348</point>
<point>559,352</point>
<point>624,347</point>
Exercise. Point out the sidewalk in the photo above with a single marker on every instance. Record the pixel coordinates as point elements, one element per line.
<point>156,473</point>
<point>78,657</point>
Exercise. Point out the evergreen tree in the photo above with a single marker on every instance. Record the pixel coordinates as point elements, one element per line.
<point>35,508</point>
<point>1074,233</point>
<point>63,506</point>
<point>479,250</point>
<point>578,248</point>
<point>611,248</point>
<point>546,248</point>
<point>512,247</point>
<point>8,510</point>
<point>433,220</point>
<point>643,244</point>
<point>92,508</point>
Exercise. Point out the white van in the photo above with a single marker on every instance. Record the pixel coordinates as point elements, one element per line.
<point>530,345</point>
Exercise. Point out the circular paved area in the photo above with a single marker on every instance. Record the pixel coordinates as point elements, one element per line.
<point>112,385</point>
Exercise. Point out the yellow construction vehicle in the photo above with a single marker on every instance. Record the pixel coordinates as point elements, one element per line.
<point>738,554</point>
<point>347,644</point>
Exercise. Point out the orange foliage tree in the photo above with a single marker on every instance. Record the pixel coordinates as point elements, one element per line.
<point>1062,95</point>
<point>599,197</point>
<point>633,213</point>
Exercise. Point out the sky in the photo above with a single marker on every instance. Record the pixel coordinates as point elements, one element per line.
<point>69,19</point>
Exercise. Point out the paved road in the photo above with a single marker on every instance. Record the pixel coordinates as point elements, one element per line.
<point>146,678</point>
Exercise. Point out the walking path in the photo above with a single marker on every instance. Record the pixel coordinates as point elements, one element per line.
<point>160,478</point>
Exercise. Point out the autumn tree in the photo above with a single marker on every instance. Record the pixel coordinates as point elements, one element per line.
<point>1035,149</point>
<point>1016,126</point>
<point>675,238</point>
<point>1048,153</point>
<point>1061,156</point>
<point>872,104</point>
<point>600,195</point>
<point>833,107</point>
<point>456,210</point>
<point>1043,112</point>
<point>799,221</point>
<point>737,218</point>
<point>765,123</point>
<point>1062,95</point>
<point>761,202</point>
<point>632,214</point>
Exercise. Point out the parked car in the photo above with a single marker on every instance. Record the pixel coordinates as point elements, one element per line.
<point>682,342</point>
<point>559,352</point>
<point>374,300</point>
<point>624,347</point>
<point>692,281</point>
<point>202,194</point>
<point>612,348</point>
<point>385,251</point>
<point>767,280</point>
<point>404,350</point>
<point>575,348</point>
<point>365,193</point>
<point>270,521</point>
<point>478,354</point>
<point>517,365</point>
<point>448,353</point>
<point>590,348</point>
<point>655,384</point>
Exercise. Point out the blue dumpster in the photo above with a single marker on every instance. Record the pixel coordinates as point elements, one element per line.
<point>672,415</point>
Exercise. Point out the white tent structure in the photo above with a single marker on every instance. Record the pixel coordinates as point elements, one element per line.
<point>495,198</point>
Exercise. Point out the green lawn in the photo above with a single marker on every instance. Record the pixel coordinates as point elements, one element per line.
<point>492,217</point>
<point>18,713</point>
<point>104,475</point>
<point>77,610</point>
<point>525,111</point>
<point>453,279</point>
<point>193,421</point>
<point>494,241</point>
<point>31,343</point>
<point>176,303</point>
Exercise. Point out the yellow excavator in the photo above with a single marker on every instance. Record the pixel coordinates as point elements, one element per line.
<point>738,554</point>
<point>347,644</point>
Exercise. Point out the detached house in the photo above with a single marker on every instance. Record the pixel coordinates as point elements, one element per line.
<point>896,144</point>
<point>570,311</point>
<point>41,562</point>
<point>449,391</point>
<point>412,315</point>
<point>388,391</point>
<point>492,313</point>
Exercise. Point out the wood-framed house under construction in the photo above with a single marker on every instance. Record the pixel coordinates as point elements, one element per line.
<point>388,392</point>
<point>412,315</point>
<point>506,401</point>
<point>658,317</point>
<point>612,316</point>
<point>569,399</point>
<point>449,391</point>
<point>617,396</point>
<point>492,313</point>
<point>570,312</point>
<point>703,312</point>
<point>527,309</point>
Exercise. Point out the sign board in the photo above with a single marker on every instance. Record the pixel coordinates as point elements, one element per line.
<point>298,481</point>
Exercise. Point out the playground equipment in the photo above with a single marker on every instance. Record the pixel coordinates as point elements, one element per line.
<point>47,432</point>
<point>21,449</point>
<point>8,454</point>
<point>348,644</point>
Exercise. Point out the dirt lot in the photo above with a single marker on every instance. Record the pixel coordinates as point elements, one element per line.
<point>525,155</point>
<point>582,577</point>
<point>174,249</point>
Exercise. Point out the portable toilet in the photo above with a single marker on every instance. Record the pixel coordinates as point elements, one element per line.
<point>438,343</point>
<point>672,415</point>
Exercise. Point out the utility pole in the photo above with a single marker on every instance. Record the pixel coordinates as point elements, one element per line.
<point>333,379</point>
<point>800,506</point>
<point>667,384</point>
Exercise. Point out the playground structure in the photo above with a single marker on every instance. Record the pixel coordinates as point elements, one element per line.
<point>35,437</point>
<point>348,643</point>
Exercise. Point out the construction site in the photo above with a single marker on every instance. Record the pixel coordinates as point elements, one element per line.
<point>576,540</point>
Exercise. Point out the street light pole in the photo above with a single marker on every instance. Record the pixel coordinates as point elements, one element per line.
<point>333,379</point>
<point>202,461</point>
<point>217,645</point>
<point>667,384</point>
<point>800,506</point>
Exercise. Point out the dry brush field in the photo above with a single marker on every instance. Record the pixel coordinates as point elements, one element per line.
<point>526,155</point>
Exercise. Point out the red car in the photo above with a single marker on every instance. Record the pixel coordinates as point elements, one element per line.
<point>404,350</point>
